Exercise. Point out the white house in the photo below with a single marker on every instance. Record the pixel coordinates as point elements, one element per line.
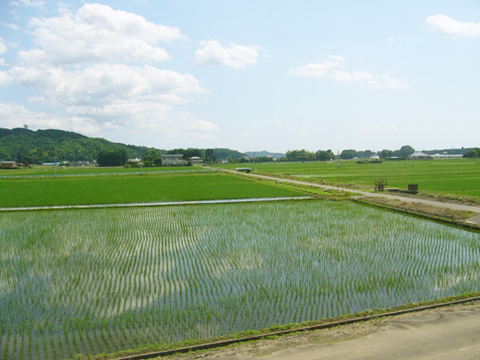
<point>196,160</point>
<point>173,160</point>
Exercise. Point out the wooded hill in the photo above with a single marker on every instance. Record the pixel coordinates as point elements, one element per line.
<point>28,146</point>
<point>41,146</point>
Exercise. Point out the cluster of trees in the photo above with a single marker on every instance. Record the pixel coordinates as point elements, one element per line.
<point>304,155</point>
<point>210,156</point>
<point>403,152</point>
<point>112,157</point>
<point>474,153</point>
<point>326,155</point>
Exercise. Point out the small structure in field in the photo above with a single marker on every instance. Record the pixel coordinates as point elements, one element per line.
<point>380,184</point>
<point>196,160</point>
<point>173,160</point>
<point>247,170</point>
<point>419,155</point>
<point>8,165</point>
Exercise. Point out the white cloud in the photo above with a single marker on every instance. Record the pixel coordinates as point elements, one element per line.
<point>118,98</point>
<point>9,25</point>
<point>3,50</point>
<point>97,33</point>
<point>319,70</point>
<point>30,3</point>
<point>3,47</point>
<point>236,56</point>
<point>14,115</point>
<point>103,86</point>
<point>332,69</point>
<point>85,67</point>
<point>5,78</point>
<point>202,126</point>
<point>454,28</point>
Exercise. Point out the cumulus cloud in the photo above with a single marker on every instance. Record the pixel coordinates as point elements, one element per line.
<point>5,78</point>
<point>319,70</point>
<point>454,28</point>
<point>235,56</point>
<point>118,98</point>
<point>97,68</point>
<point>333,68</point>
<point>97,33</point>
<point>101,84</point>
<point>15,115</point>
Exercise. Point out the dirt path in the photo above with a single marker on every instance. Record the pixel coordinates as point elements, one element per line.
<point>446,333</point>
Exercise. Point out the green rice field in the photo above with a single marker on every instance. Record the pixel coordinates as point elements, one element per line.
<point>104,280</point>
<point>86,190</point>
<point>47,170</point>
<point>440,176</point>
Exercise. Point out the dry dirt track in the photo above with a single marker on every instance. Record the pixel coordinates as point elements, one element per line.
<point>447,333</point>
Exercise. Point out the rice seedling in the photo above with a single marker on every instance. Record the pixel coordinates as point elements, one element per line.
<point>94,281</point>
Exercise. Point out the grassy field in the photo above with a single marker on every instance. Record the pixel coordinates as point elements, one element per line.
<point>442,176</point>
<point>86,170</point>
<point>133,189</point>
<point>104,280</point>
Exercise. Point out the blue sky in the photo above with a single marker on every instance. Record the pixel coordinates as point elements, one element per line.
<point>247,75</point>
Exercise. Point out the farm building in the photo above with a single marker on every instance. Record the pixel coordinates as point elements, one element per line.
<point>8,165</point>
<point>173,159</point>
<point>419,155</point>
<point>196,160</point>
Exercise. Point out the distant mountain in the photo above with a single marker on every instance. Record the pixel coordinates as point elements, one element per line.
<point>264,153</point>
<point>24,145</point>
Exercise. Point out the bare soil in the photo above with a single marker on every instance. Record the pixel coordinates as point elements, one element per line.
<point>420,208</point>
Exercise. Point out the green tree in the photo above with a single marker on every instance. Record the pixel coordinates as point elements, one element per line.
<point>300,155</point>
<point>348,154</point>
<point>324,155</point>
<point>112,157</point>
<point>386,154</point>
<point>474,153</point>
<point>404,151</point>
<point>151,155</point>
<point>210,156</point>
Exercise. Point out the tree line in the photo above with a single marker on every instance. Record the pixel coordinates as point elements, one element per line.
<point>347,154</point>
